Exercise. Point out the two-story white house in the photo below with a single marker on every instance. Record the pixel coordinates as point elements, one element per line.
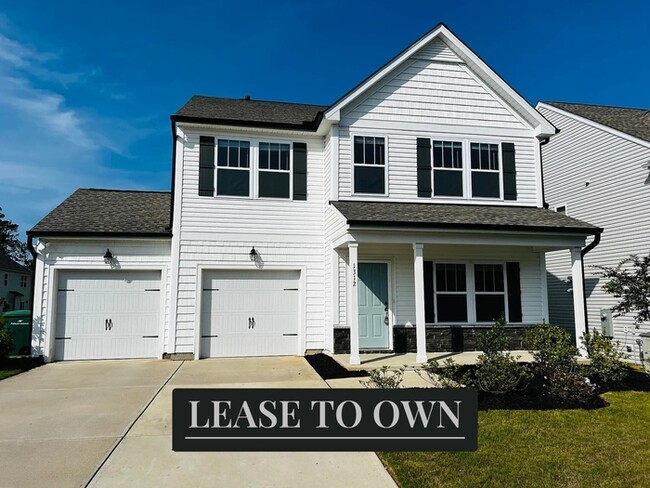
<point>405,216</point>
<point>15,285</point>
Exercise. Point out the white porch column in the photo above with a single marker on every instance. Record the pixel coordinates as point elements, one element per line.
<point>353,301</point>
<point>420,324</point>
<point>578,285</point>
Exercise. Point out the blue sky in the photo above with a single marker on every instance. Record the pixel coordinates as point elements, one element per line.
<point>86,88</point>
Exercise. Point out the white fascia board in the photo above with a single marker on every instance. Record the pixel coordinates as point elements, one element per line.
<point>221,128</point>
<point>597,125</point>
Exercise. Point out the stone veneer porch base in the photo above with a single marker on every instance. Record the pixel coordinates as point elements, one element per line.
<point>439,338</point>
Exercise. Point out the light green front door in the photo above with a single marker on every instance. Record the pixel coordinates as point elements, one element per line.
<point>373,306</point>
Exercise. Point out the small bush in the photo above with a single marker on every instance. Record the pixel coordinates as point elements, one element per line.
<point>607,362</point>
<point>384,378</point>
<point>449,374</point>
<point>556,365</point>
<point>498,371</point>
<point>6,341</point>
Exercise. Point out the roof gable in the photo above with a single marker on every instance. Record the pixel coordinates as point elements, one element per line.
<point>633,122</point>
<point>441,44</point>
<point>8,264</point>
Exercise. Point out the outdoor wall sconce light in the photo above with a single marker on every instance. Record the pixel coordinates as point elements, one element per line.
<point>108,257</point>
<point>253,254</point>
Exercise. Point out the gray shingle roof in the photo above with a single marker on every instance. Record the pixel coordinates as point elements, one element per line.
<point>239,111</point>
<point>8,264</point>
<point>460,216</point>
<point>632,121</point>
<point>108,212</point>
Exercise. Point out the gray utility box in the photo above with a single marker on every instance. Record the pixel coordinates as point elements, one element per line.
<point>606,322</point>
<point>645,346</point>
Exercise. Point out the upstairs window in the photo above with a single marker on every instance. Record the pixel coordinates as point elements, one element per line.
<point>23,281</point>
<point>561,210</point>
<point>489,286</point>
<point>486,175</point>
<point>369,165</point>
<point>447,169</point>
<point>451,293</point>
<point>274,170</point>
<point>233,168</point>
<point>6,280</point>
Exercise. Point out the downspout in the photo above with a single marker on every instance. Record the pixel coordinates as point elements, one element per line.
<point>543,142</point>
<point>171,215</point>
<point>583,253</point>
<point>32,251</point>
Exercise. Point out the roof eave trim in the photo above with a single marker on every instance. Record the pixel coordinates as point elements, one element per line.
<point>305,127</point>
<point>145,235</point>
<point>506,228</point>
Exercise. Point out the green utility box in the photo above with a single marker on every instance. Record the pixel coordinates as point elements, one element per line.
<point>18,324</point>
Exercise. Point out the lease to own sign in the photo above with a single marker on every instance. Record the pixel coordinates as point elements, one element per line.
<point>426,419</point>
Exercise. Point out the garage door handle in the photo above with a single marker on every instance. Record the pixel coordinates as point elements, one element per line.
<point>251,322</point>
<point>106,324</point>
<point>110,324</point>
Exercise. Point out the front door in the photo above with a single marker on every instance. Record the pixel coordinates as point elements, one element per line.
<point>373,306</point>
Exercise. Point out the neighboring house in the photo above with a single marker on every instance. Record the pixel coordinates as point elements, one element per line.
<point>405,216</point>
<point>598,169</point>
<point>15,285</point>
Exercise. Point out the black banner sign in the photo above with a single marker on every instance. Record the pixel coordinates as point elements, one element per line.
<point>420,419</point>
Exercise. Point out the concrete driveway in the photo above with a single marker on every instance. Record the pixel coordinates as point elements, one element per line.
<point>108,424</point>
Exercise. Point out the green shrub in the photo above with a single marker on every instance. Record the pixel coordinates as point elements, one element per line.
<point>6,341</point>
<point>385,378</point>
<point>607,362</point>
<point>449,374</point>
<point>498,371</point>
<point>556,365</point>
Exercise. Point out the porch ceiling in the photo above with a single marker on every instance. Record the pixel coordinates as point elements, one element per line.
<point>433,216</point>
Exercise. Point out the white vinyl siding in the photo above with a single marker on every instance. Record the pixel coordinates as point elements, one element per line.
<point>615,198</point>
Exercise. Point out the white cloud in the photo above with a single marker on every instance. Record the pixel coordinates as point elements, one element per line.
<point>49,148</point>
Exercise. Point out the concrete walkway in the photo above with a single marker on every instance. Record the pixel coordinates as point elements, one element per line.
<point>108,424</point>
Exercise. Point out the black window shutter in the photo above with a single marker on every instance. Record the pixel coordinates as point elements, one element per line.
<point>206,166</point>
<point>299,171</point>
<point>514,292</point>
<point>509,171</point>
<point>429,310</point>
<point>424,167</point>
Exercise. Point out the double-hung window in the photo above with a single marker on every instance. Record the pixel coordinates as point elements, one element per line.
<point>233,167</point>
<point>451,293</point>
<point>447,168</point>
<point>485,170</point>
<point>23,281</point>
<point>274,170</point>
<point>490,292</point>
<point>369,165</point>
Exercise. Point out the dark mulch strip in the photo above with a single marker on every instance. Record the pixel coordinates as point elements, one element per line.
<point>634,381</point>
<point>531,401</point>
<point>24,363</point>
<point>328,369</point>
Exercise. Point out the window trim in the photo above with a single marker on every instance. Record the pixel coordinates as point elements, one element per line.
<point>566,209</point>
<point>499,172</point>
<point>253,167</point>
<point>504,292</point>
<point>470,291</point>
<point>462,170</point>
<point>353,164</point>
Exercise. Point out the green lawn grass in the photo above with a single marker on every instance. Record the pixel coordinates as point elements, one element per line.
<point>6,373</point>
<point>606,447</point>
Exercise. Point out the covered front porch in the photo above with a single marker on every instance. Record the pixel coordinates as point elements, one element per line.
<point>429,290</point>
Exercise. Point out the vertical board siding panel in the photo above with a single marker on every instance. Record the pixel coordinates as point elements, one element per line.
<point>613,166</point>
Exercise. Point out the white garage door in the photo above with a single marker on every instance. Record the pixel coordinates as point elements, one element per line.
<point>107,315</point>
<point>249,313</point>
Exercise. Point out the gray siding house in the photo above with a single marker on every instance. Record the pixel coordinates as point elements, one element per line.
<point>598,169</point>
